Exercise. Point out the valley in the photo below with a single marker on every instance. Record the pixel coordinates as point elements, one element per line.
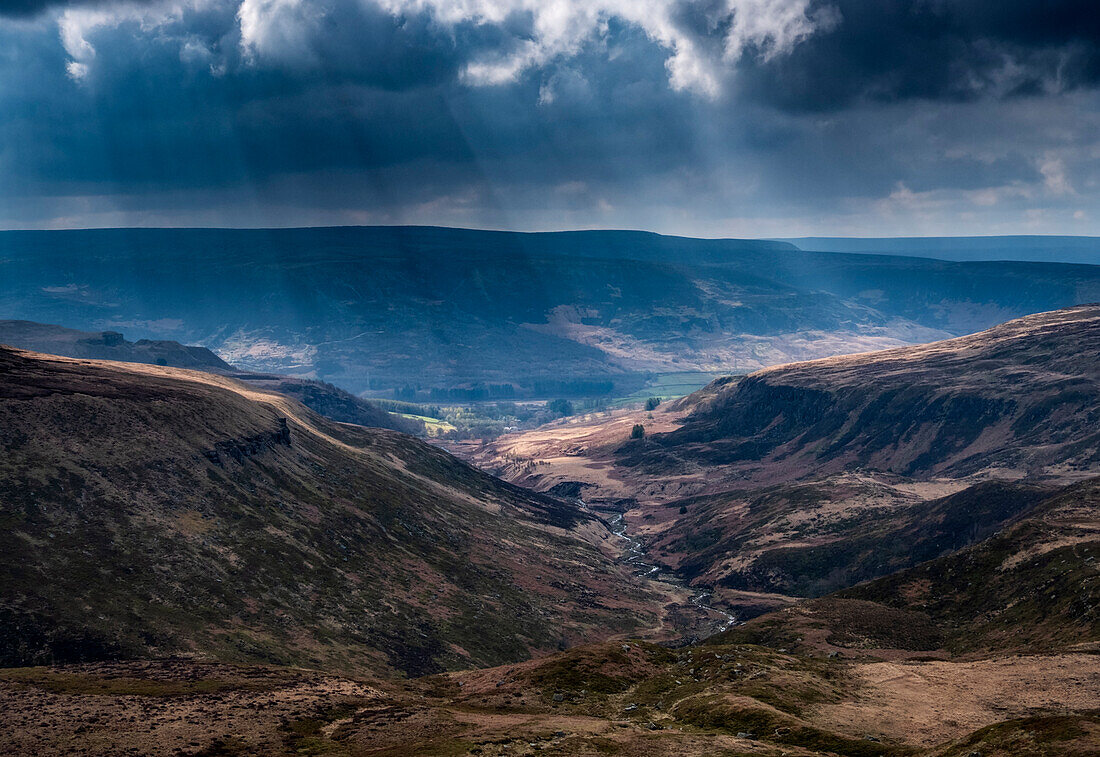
<point>883,554</point>
<point>585,378</point>
<point>808,478</point>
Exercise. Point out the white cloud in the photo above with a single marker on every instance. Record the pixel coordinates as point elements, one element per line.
<point>288,31</point>
<point>560,28</point>
<point>76,25</point>
<point>279,30</point>
<point>1053,170</point>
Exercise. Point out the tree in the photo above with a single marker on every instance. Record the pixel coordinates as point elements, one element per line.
<point>560,407</point>
<point>683,509</point>
<point>638,432</point>
<point>652,403</point>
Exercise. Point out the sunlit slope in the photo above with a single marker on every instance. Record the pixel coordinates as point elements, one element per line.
<point>1033,586</point>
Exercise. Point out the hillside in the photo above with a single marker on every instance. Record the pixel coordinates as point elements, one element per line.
<point>326,399</point>
<point>1030,588</point>
<point>1033,586</point>
<point>477,314</point>
<point>813,477</point>
<point>808,539</point>
<point>1020,398</point>
<point>152,511</point>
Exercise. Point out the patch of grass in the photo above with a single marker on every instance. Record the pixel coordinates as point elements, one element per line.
<point>564,675</point>
<point>1035,736</point>
<point>305,735</point>
<point>604,745</point>
<point>766,632</point>
<point>230,746</point>
<point>666,386</point>
<point>433,426</point>
<point>601,672</point>
<point>713,712</point>
<point>60,682</point>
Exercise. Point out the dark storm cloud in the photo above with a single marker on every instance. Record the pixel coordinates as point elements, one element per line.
<point>214,112</point>
<point>956,50</point>
<point>31,8</point>
<point>372,92</point>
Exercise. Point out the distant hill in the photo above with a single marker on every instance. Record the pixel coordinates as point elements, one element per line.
<point>330,401</point>
<point>153,511</point>
<point>502,315</point>
<point>1044,249</point>
<point>326,399</point>
<point>106,345</point>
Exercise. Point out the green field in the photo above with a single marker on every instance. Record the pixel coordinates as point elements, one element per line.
<point>433,426</point>
<point>666,386</point>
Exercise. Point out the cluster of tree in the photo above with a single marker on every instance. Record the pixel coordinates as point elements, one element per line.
<point>573,388</point>
<point>406,393</point>
<point>590,390</point>
<point>474,393</point>
<point>560,407</point>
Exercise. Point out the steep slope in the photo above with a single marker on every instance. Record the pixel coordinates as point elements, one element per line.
<point>326,399</point>
<point>808,539</point>
<point>534,314</point>
<point>1022,398</point>
<point>154,511</point>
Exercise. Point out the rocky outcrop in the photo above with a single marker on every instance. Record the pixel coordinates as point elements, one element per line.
<point>249,446</point>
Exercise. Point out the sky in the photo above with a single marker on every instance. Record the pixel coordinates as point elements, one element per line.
<point>743,118</point>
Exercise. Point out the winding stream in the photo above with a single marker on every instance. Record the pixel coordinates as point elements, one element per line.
<point>635,556</point>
